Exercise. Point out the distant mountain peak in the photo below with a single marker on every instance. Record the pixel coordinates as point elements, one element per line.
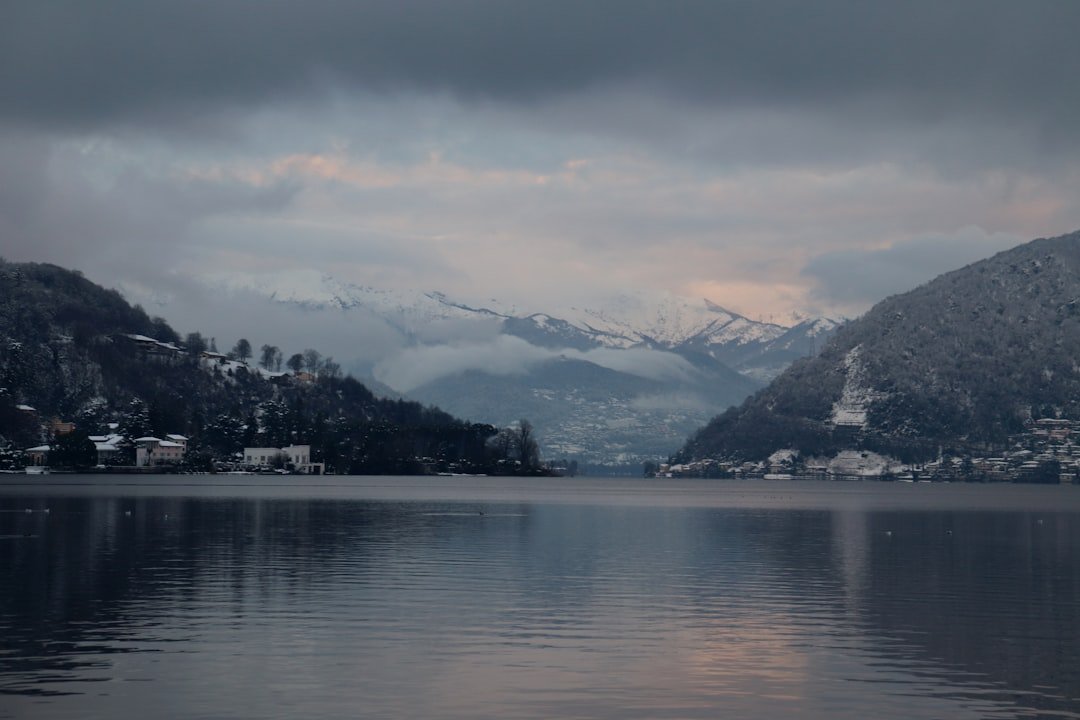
<point>636,319</point>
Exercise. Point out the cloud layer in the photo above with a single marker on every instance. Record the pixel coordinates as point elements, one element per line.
<point>772,156</point>
<point>414,366</point>
<point>75,62</point>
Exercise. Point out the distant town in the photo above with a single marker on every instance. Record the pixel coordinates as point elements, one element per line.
<point>1047,451</point>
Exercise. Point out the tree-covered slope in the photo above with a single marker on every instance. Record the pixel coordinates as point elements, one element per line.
<point>962,360</point>
<point>65,351</point>
<point>601,416</point>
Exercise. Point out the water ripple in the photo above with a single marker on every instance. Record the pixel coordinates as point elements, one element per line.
<point>227,607</point>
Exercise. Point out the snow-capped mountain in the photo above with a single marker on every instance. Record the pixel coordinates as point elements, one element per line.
<point>760,350</point>
<point>632,320</point>
<point>617,382</point>
<point>665,320</point>
<point>314,290</point>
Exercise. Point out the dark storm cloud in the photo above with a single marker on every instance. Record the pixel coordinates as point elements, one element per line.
<point>54,208</point>
<point>79,64</point>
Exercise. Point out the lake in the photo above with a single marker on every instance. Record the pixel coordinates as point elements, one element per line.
<point>380,597</point>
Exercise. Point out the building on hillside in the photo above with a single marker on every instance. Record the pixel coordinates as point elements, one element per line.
<point>38,456</point>
<point>107,447</point>
<point>299,456</point>
<point>178,439</point>
<point>150,349</point>
<point>151,451</point>
<point>60,427</point>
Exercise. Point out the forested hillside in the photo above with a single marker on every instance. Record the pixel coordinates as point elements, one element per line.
<point>962,361</point>
<point>71,350</point>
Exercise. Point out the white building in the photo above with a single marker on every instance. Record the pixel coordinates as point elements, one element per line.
<point>155,451</point>
<point>108,448</point>
<point>178,439</point>
<point>299,456</point>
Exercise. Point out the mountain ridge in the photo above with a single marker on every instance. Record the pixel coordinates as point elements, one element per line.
<point>602,399</point>
<point>654,320</point>
<point>963,360</point>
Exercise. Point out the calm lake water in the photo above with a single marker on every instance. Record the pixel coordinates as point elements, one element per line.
<point>503,598</point>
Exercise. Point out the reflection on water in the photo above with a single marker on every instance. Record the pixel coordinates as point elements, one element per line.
<point>189,602</point>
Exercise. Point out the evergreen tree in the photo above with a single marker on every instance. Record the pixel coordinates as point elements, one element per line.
<point>195,343</point>
<point>135,420</point>
<point>74,450</point>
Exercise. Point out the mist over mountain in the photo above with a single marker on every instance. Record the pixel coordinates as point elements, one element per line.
<point>612,384</point>
<point>592,412</point>
<point>961,361</point>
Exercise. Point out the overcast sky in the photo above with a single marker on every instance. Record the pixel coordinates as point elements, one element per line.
<point>772,156</point>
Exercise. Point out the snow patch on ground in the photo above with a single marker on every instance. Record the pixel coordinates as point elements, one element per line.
<point>785,456</point>
<point>857,396</point>
<point>863,464</point>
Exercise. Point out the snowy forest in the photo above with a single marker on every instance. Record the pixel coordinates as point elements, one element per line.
<point>72,352</point>
<point>959,365</point>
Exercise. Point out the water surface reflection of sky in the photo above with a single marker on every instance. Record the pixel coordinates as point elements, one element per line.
<point>196,602</point>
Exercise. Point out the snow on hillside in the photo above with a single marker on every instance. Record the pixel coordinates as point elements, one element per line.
<point>740,331</point>
<point>852,408</point>
<point>820,326</point>
<point>315,290</point>
<point>643,318</point>
<point>666,320</point>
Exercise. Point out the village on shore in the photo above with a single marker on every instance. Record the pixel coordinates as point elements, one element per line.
<point>1046,452</point>
<point>114,453</point>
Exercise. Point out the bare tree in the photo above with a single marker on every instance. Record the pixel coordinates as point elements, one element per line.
<point>242,350</point>
<point>312,360</point>
<point>270,354</point>
<point>527,449</point>
<point>296,363</point>
<point>330,368</point>
<point>502,444</point>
